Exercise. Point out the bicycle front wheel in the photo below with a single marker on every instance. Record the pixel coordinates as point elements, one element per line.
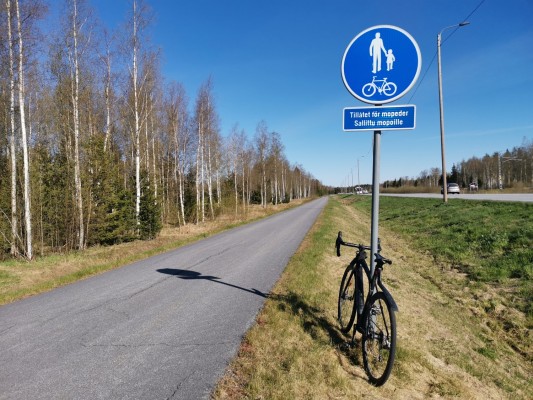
<point>346,304</point>
<point>379,339</point>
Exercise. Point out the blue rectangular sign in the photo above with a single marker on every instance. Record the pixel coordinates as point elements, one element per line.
<point>379,118</point>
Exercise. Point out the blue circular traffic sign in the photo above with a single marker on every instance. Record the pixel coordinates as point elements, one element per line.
<point>381,64</point>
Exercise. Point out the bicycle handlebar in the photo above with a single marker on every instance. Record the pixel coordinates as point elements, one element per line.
<point>339,242</point>
<point>379,258</point>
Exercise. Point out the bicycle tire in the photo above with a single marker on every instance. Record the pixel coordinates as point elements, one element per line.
<point>389,89</point>
<point>346,308</point>
<point>379,339</point>
<point>369,89</point>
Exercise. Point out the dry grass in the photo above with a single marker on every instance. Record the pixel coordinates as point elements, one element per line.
<point>446,346</point>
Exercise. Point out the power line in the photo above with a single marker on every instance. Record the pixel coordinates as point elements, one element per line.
<point>435,54</point>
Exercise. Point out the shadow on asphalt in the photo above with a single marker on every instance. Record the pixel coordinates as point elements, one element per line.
<point>313,320</point>
<point>188,274</point>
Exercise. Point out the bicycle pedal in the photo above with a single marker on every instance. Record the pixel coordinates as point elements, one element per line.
<point>348,345</point>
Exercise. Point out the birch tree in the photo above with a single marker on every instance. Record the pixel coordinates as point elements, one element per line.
<point>76,26</point>
<point>137,25</point>
<point>108,87</point>
<point>136,111</point>
<point>235,151</point>
<point>276,155</point>
<point>178,128</point>
<point>25,149</point>
<point>12,143</point>
<point>261,145</point>
<point>208,136</point>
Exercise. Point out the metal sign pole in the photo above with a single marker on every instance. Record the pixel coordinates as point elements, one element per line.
<point>375,201</point>
<point>370,83</point>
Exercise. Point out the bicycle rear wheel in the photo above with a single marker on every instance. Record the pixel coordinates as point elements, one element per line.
<point>369,89</point>
<point>346,304</point>
<point>389,88</point>
<point>379,339</point>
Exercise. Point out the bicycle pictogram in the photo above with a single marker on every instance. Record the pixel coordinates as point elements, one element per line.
<point>386,88</point>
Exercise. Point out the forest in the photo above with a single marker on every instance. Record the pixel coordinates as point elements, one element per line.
<point>509,169</point>
<point>98,148</point>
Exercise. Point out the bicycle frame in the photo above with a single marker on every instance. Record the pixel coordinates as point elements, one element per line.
<point>359,264</point>
<point>383,82</point>
<point>376,282</point>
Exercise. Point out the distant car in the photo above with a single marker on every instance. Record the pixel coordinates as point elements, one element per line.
<point>473,187</point>
<point>453,188</point>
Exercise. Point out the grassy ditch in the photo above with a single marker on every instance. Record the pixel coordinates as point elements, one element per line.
<point>451,339</point>
<point>491,242</point>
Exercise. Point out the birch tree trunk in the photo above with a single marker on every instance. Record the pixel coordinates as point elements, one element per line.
<point>173,128</point>
<point>75,106</point>
<point>178,129</point>
<point>154,168</point>
<point>12,145</point>
<point>233,152</point>
<point>276,197</point>
<point>210,180</point>
<point>282,183</point>
<point>198,161</point>
<point>218,169</point>
<point>243,188</point>
<point>236,192</point>
<point>137,127</point>
<point>107,94</point>
<point>202,175</point>
<point>261,139</point>
<point>25,151</point>
<point>146,139</point>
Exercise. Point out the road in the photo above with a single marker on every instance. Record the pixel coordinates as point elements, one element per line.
<point>520,197</point>
<point>162,328</point>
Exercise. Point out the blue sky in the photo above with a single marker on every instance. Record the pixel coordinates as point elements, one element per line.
<point>280,61</point>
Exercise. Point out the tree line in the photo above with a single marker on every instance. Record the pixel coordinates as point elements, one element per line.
<point>97,148</point>
<point>507,169</point>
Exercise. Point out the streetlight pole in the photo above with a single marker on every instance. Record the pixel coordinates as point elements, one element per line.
<point>358,180</point>
<point>442,147</point>
<point>500,162</point>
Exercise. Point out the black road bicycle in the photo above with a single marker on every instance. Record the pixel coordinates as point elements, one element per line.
<point>376,320</point>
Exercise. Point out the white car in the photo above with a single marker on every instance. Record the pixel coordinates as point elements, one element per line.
<point>453,188</point>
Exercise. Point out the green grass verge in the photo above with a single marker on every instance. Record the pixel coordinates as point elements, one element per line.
<point>490,241</point>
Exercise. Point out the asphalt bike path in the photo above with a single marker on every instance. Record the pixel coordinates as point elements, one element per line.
<point>162,328</point>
